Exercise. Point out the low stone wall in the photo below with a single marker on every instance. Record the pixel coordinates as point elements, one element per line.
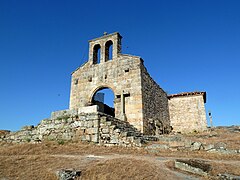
<point>69,125</point>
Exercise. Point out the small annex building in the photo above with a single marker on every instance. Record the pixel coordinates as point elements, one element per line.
<point>138,99</point>
<point>187,111</point>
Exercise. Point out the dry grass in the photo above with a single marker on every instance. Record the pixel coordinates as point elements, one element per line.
<point>38,161</point>
<point>51,147</point>
<point>222,168</point>
<point>119,169</point>
<point>232,139</point>
<point>79,148</point>
<point>41,161</point>
<point>26,167</point>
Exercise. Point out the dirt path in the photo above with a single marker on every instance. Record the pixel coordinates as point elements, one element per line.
<point>159,162</point>
<point>156,165</point>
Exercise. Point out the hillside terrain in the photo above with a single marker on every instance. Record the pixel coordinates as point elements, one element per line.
<point>214,154</point>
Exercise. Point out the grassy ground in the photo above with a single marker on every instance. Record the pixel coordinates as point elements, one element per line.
<point>229,136</point>
<point>41,161</point>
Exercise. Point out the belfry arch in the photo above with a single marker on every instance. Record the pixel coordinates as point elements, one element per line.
<point>108,50</point>
<point>97,54</point>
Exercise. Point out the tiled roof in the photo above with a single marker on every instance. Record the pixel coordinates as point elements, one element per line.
<point>189,94</point>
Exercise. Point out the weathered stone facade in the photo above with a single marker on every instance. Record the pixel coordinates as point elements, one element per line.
<point>138,98</point>
<point>187,112</point>
<point>155,105</point>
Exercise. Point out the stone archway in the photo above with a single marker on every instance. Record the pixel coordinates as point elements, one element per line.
<point>104,97</point>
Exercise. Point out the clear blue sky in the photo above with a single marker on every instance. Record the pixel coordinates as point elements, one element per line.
<point>187,45</point>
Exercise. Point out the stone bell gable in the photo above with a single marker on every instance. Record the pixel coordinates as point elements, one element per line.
<point>138,99</point>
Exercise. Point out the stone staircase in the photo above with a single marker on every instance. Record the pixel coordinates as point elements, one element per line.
<point>70,125</point>
<point>113,131</point>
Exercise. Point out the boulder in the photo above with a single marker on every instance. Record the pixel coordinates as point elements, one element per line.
<point>194,166</point>
<point>157,146</point>
<point>220,145</point>
<point>208,147</point>
<point>196,146</point>
<point>68,174</point>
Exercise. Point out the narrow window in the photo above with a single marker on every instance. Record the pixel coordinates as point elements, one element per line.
<point>108,50</point>
<point>96,54</point>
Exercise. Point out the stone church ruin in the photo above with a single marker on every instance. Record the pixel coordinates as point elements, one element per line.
<point>141,106</point>
<point>139,100</point>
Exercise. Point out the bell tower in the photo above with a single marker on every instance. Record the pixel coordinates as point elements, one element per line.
<point>105,48</point>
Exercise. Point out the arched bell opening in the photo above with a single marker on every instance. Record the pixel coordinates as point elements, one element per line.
<point>108,50</point>
<point>96,54</point>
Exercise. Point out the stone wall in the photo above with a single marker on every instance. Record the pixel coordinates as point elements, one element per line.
<point>155,105</point>
<point>71,125</point>
<point>187,112</point>
<point>121,75</point>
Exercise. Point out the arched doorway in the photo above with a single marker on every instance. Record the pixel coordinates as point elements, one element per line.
<point>104,98</point>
